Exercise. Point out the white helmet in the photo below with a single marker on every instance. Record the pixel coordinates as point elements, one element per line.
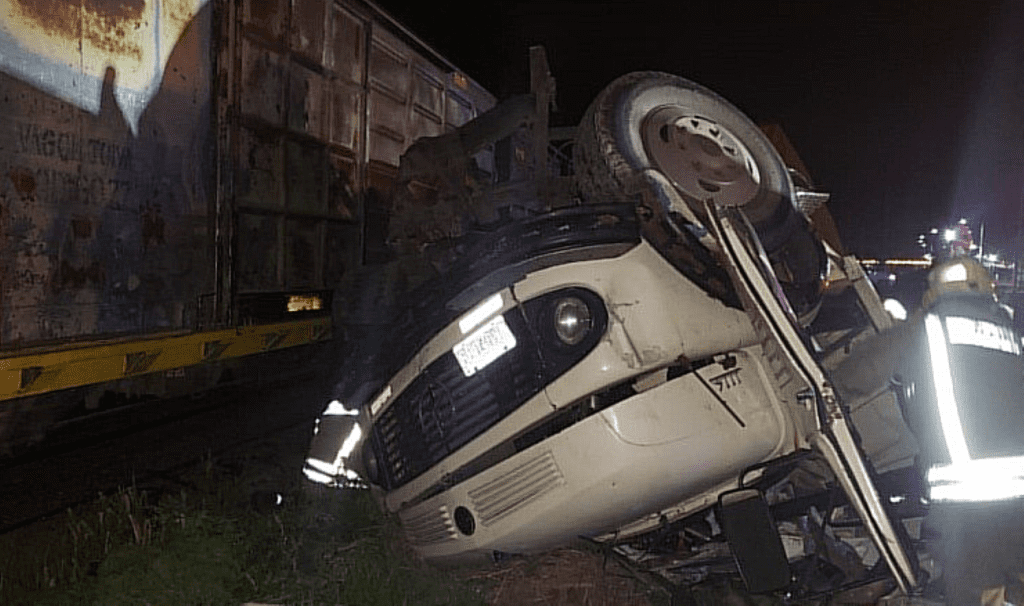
<point>959,274</point>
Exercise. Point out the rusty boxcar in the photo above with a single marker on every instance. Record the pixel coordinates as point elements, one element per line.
<point>188,181</point>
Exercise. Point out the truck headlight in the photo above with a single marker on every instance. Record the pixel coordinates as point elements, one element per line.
<point>573,320</point>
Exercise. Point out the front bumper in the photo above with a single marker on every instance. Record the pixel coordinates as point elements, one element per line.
<point>628,461</point>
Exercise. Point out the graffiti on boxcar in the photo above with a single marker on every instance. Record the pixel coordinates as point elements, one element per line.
<point>53,186</point>
<point>65,46</point>
<point>102,219</point>
<point>134,197</point>
<point>41,140</point>
<point>102,23</point>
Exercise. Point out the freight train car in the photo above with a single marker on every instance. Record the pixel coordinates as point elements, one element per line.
<point>186,182</point>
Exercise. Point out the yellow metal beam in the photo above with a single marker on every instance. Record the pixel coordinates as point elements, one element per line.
<point>24,374</point>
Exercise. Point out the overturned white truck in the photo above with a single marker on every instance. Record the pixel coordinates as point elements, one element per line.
<point>640,359</point>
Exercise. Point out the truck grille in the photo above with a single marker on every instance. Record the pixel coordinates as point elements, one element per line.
<point>433,526</point>
<point>442,409</point>
<point>517,488</point>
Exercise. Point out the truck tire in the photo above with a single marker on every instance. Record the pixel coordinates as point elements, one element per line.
<point>704,145</point>
<point>649,127</point>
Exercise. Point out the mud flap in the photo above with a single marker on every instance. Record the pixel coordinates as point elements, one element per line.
<point>754,540</point>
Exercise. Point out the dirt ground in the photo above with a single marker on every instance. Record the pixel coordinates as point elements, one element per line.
<point>567,577</point>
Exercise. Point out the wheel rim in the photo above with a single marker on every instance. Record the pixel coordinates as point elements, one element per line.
<point>701,157</point>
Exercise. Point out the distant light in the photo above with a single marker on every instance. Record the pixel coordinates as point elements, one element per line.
<point>934,230</point>
<point>962,221</point>
<point>950,235</point>
<point>892,277</point>
<point>910,262</point>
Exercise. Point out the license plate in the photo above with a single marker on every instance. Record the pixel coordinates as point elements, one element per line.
<point>485,345</point>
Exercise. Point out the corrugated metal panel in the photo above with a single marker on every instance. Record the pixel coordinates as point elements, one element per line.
<point>260,170</point>
<point>103,185</point>
<point>303,253</point>
<point>389,76</point>
<point>262,83</point>
<point>428,91</point>
<point>131,191</point>
<point>346,115</point>
<point>306,170</point>
<point>307,103</point>
<point>259,252</point>
<point>308,23</point>
<point>266,18</point>
<point>346,54</point>
<point>301,99</point>
<point>459,109</point>
<point>428,103</point>
<point>341,200</point>
<point>389,63</point>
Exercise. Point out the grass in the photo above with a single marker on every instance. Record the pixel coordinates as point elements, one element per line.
<point>211,544</point>
<point>206,540</point>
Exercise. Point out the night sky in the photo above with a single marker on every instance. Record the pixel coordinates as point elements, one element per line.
<point>910,113</point>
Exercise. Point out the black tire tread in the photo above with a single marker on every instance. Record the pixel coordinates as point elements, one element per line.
<point>604,174</point>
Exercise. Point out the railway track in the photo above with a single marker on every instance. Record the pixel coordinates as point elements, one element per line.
<point>150,448</point>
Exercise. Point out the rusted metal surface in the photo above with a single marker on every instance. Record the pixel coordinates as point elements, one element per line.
<point>103,200</point>
<point>330,96</point>
<point>64,47</point>
<point>140,193</point>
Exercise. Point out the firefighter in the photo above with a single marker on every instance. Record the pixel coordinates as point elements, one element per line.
<point>966,406</point>
<point>957,361</point>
